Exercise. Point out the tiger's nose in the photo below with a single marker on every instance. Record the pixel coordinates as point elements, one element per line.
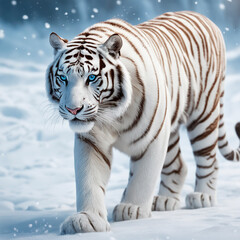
<point>74,111</point>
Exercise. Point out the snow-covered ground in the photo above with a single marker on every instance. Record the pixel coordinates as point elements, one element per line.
<point>37,188</point>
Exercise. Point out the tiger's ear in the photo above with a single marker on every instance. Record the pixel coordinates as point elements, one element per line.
<point>57,42</point>
<point>113,45</point>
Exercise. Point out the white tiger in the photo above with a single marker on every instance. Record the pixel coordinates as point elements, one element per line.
<point>130,87</point>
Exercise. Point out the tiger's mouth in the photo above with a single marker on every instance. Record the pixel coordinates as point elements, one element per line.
<point>83,120</point>
<point>80,126</point>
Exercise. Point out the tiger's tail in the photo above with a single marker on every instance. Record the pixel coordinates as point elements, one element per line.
<point>226,150</point>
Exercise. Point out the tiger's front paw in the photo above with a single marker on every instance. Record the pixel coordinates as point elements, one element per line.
<point>163,203</point>
<point>199,200</point>
<point>127,211</point>
<point>84,222</point>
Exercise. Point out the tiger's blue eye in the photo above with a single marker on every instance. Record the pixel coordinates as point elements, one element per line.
<point>91,77</point>
<point>63,77</point>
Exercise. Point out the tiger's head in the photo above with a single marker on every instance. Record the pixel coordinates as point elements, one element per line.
<point>88,81</point>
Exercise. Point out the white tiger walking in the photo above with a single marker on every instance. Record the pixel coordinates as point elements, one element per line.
<point>131,87</point>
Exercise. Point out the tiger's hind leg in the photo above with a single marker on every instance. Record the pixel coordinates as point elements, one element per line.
<point>172,178</point>
<point>203,135</point>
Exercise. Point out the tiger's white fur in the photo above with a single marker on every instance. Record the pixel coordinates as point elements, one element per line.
<point>150,78</point>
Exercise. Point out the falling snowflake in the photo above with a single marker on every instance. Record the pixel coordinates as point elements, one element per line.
<point>227,29</point>
<point>56,8</point>
<point>118,2</point>
<point>66,13</point>
<point>29,54</point>
<point>159,1</point>
<point>47,25</point>
<point>221,6</point>
<point>25,17</point>
<point>196,2</point>
<point>73,11</point>
<point>95,10</point>
<point>33,35</point>
<point>30,225</point>
<point>40,52</point>
<point>92,16</point>
<point>14,3</point>
<point>2,35</point>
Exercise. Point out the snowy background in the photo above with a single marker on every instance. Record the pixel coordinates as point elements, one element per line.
<point>37,188</point>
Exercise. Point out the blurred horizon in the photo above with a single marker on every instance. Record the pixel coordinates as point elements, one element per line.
<point>25,25</point>
<point>59,12</point>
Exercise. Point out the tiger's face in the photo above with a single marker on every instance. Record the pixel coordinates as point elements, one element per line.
<point>88,81</point>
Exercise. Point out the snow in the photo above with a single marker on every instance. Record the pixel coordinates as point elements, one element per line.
<point>14,3</point>
<point>118,2</point>
<point>73,11</point>
<point>95,10</point>
<point>2,35</point>
<point>25,17</point>
<point>221,6</point>
<point>233,54</point>
<point>47,25</point>
<point>40,52</point>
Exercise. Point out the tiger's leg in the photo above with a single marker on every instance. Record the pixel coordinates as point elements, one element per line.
<point>144,172</point>
<point>204,137</point>
<point>92,171</point>
<point>172,178</point>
